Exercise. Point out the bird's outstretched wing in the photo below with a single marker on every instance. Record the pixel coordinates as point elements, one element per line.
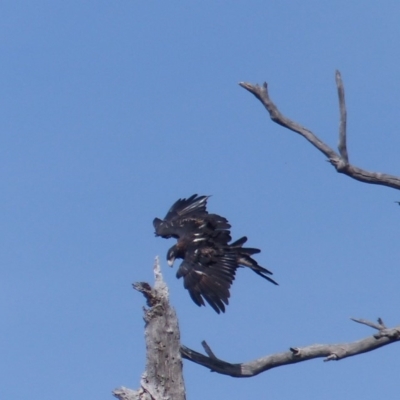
<point>208,273</point>
<point>209,268</point>
<point>188,216</point>
<point>193,204</point>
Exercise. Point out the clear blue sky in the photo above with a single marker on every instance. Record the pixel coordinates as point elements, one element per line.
<point>111,110</point>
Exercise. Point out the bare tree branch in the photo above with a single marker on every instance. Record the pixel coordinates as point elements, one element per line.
<point>163,377</point>
<point>124,393</point>
<point>342,146</point>
<point>208,350</point>
<point>379,326</point>
<point>340,162</point>
<point>297,354</point>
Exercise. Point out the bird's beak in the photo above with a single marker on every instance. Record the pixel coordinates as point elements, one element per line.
<point>171,262</point>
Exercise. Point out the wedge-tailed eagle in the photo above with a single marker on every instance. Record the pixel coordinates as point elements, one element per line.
<point>209,262</point>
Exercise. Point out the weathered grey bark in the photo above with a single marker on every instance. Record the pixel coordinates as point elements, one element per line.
<point>296,354</point>
<point>163,379</point>
<point>339,161</point>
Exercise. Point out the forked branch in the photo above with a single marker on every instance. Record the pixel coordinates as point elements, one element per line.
<point>329,352</point>
<point>163,376</point>
<point>339,161</point>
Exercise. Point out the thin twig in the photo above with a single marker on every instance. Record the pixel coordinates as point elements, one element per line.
<point>208,350</point>
<point>343,119</point>
<point>378,326</point>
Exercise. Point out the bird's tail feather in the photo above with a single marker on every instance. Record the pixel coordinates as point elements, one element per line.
<point>245,259</point>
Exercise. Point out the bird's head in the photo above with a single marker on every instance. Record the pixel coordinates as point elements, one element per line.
<point>158,226</point>
<point>171,255</point>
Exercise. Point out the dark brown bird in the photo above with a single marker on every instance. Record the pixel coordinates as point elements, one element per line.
<point>209,262</point>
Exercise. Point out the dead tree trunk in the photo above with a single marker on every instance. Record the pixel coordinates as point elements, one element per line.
<point>162,379</point>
